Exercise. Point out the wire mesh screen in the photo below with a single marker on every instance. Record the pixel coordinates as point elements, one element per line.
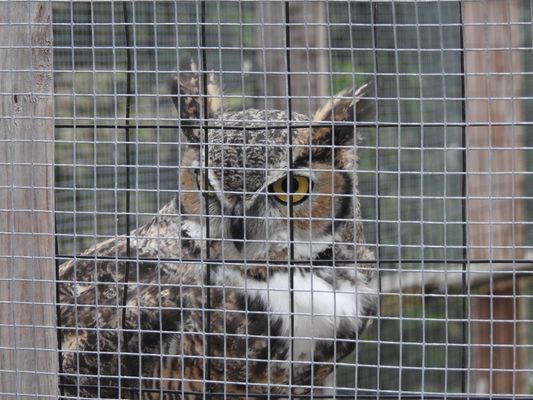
<point>292,199</point>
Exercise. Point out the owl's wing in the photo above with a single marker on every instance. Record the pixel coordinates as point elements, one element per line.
<point>106,321</point>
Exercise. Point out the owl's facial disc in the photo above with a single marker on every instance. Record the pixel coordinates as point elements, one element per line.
<point>266,212</point>
<point>203,184</point>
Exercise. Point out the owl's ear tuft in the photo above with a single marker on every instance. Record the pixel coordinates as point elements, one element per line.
<point>349,105</point>
<point>185,90</point>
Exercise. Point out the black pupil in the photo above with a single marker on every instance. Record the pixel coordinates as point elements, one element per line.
<point>294,185</point>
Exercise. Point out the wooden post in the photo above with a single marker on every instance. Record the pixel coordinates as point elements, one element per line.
<point>28,353</point>
<point>494,185</point>
<point>308,56</point>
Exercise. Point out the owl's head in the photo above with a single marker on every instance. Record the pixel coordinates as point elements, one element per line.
<point>256,170</point>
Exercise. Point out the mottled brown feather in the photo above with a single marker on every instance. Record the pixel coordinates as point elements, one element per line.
<point>160,350</point>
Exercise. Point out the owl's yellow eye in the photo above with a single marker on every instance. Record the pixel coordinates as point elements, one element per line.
<point>298,189</point>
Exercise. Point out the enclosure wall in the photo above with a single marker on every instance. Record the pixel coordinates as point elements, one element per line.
<point>28,336</point>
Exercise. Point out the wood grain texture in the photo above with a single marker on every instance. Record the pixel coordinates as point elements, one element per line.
<point>495,182</point>
<point>494,158</point>
<point>28,355</point>
<point>309,65</point>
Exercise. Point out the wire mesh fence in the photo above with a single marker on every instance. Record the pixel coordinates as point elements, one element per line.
<point>275,200</point>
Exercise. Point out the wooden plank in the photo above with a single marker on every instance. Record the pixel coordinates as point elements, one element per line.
<point>494,157</point>
<point>28,354</point>
<point>494,184</point>
<point>496,352</point>
<point>308,56</point>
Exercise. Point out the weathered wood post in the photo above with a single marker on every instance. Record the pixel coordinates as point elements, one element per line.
<point>28,353</point>
<point>308,57</point>
<point>495,184</point>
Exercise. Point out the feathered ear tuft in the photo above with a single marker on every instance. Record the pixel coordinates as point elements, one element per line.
<point>352,104</point>
<point>185,91</point>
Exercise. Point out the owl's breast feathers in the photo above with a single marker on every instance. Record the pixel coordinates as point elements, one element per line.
<point>166,317</point>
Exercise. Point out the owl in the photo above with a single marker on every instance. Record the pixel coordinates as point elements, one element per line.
<point>253,280</point>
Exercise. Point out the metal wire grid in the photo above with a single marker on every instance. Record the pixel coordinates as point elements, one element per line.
<point>389,258</point>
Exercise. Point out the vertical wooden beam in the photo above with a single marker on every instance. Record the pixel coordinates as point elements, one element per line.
<point>496,364</point>
<point>28,354</point>
<point>310,71</point>
<point>494,184</point>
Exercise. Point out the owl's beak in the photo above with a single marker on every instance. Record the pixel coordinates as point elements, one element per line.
<point>236,227</point>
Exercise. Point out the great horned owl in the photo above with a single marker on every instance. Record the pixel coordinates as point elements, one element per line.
<point>183,324</point>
